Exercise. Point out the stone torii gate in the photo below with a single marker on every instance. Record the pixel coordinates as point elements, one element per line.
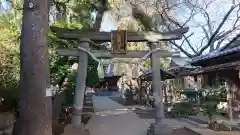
<point>119,40</point>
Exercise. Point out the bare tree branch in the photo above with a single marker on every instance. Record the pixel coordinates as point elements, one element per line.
<point>190,16</point>
<point>100,12</point>
<point>186,38</point>
<point>168,18</point>
<point>202,42</point>
<point>189,44</point>
<point>217,30</point>
<point>214,38</point>
<point>207,17</point>
<point>219,43</point>
<point>181,49</point>
<point>209,3</point>
<point>236,21</point>
<point>173,6</point>
<point>205,32</point>
<point>233,40</point>
<point>205,14</point>
<point>226,33</point>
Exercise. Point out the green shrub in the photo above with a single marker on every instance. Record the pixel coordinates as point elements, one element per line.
<point>9,99</point>
<point>184,108</point>
<point>211,98</point>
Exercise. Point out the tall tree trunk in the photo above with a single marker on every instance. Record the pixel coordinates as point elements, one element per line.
<point>100,13</point>
<point>35,108</point>
<point>98,21</point>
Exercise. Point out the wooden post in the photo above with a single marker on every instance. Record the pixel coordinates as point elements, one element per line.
<point>80,84</point>
<point>228,86</point>
<point>157,85</point>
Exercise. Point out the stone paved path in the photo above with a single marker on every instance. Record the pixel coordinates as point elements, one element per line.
<point>112,118</point>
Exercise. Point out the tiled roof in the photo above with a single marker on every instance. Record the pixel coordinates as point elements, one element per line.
<point>232,47</point>
<point>180,61</point>
<point>147,74</point>
<point>183,62</point>
<point>215,54</point>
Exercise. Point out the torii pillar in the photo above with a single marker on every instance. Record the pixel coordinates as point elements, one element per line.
<point>80,83</point>
<point>157,128</point>
<point>157,84</point>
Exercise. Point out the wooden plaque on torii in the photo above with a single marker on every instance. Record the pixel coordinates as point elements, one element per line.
<point>119,42</point>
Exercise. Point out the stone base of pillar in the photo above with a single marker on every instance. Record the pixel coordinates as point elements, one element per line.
<point>159,129</point>
<point>76,130</point>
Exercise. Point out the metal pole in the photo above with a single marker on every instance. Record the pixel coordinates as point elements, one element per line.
<point>157,86</point>
<point>80,83</point>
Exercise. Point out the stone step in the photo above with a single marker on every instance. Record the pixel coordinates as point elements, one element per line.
<point>185,131</point>
<point>87,106</point>
<point>88,102</point>
<point>88,110</point>
<point>193,122</point>
<point>87,113</point>
<point>205,131</point>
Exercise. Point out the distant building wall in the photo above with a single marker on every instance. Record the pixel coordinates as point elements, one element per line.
<point>185,82</point>
<point>191,82</point>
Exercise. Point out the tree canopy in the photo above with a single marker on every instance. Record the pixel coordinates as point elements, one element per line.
<point>67,14</point>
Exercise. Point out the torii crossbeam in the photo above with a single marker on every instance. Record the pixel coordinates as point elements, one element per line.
<point>147,36</point>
